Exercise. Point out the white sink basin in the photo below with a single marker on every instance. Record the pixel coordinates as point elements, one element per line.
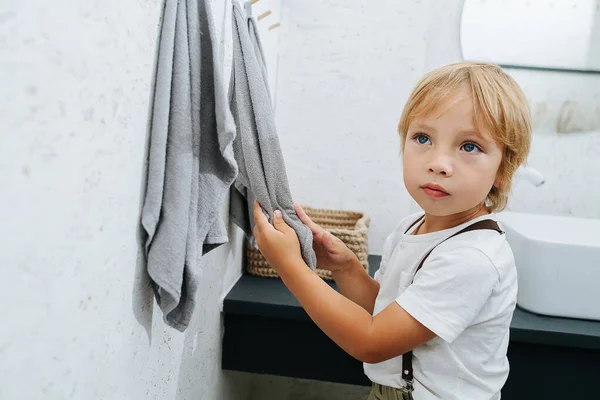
<point>558,263</point>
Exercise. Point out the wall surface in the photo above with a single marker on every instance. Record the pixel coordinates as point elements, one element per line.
<point>570,163</point>
<point>78,315</point>
<point>345,70</point>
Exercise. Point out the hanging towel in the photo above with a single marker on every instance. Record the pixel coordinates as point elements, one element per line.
<point>190,165</point>
<point>262,173</point>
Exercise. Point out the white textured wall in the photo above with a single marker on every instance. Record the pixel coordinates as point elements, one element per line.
<point>345,70</point>
<point>593,57</point>
<point>570,164</point>
<point>269,36</point>
<point>77,314</point>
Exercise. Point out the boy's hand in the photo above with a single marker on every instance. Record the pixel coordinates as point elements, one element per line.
<point>278,243</point>
<point>332,253</point>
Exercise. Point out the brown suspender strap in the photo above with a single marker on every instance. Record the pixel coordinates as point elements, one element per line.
<point>407,369</point>
<point>414,223</point>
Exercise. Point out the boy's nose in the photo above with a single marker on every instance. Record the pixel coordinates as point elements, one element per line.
<point>441,165</point>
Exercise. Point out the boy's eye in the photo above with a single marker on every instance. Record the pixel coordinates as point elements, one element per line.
<point>470,147</point>
<point>422,139</point>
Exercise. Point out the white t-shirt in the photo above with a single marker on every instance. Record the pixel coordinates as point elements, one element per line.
<point>465,293</point>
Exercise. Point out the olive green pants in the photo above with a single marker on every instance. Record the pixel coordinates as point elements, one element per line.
<point>380,392</point>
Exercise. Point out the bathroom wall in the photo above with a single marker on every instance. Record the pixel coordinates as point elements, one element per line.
<point>78,316</point>
<point>594,52</point>
<point>570,163</point>
<point>269,34</point>
<point>345,70</point>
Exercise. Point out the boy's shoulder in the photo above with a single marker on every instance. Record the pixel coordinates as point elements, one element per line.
<point>402,226</point>
<point>406,222</point>
<point>484,244</point>
<point>394,236</point>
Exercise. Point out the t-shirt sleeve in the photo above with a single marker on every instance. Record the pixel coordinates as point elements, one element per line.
<point>450,290</point>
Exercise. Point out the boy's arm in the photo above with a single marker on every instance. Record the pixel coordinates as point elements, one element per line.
<point>355,283</point>
<point>390,333</point>
<point>370,339</point>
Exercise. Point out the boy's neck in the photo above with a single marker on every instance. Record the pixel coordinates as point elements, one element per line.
<point>433,223</point>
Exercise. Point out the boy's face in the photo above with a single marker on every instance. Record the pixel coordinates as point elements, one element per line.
<point>449,165</point>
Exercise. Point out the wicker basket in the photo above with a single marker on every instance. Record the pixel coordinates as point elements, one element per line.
<point>349,226</point>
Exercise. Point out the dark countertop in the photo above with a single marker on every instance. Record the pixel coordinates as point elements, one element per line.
<point>268,297</point>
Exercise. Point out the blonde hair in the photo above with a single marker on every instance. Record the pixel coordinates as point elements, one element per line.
<point>499,103</point>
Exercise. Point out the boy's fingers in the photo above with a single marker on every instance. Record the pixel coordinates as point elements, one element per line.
<point>306,219</point>
<point>279,223</point>
<point>259,217</point>
<point>329,241</point>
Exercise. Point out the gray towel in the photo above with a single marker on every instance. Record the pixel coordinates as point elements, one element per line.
<point>262,173</point>
<point>190,165</point>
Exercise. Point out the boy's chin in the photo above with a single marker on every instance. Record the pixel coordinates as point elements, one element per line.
<point>433,209</point>
<point>437,213</point>
<point>436,209</point>
<point>444,211</point>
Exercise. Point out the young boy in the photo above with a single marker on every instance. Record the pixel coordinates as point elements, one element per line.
<point>464,131</point>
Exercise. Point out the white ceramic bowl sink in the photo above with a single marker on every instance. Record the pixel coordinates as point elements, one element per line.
<point>558,263</point>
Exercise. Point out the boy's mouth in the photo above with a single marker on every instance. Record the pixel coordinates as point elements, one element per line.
<point>434,190</point>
